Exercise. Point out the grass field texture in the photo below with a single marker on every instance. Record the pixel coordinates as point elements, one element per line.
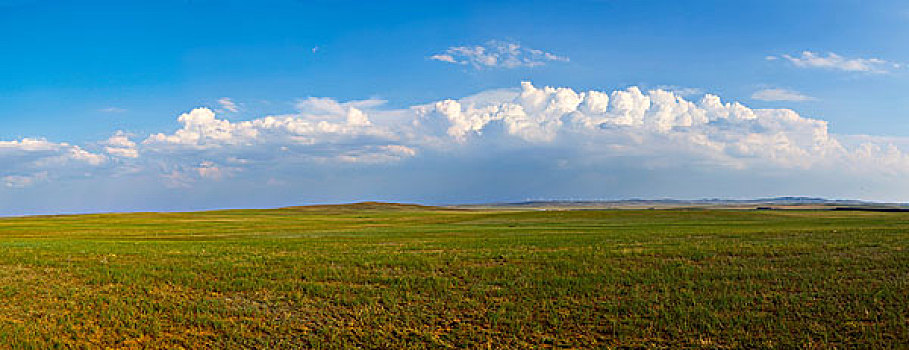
<point>389,276</point>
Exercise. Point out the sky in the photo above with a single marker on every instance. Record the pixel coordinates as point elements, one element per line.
<point>204,104</point>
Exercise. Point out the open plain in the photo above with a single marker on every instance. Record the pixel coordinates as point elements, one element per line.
<point>376,275</point>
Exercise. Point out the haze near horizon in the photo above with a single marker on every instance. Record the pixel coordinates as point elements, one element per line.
<point>174,105</point>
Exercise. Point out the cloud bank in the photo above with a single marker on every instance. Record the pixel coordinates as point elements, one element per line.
<point>530,141</point>
<point>656,124</point>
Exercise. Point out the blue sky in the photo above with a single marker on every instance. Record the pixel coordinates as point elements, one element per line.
<point>94,81</point>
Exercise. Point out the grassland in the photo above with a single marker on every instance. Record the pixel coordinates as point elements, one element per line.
<point>374,276</point>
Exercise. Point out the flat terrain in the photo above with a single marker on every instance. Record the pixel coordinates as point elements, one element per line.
<point>388,276</point>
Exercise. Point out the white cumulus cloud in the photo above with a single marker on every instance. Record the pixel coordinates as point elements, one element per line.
<point>323,130</point>
<point>656,124</point>
<point>203,130</point>
<point>43,152</point>
<point>29,160</point>
<point>119,145</point>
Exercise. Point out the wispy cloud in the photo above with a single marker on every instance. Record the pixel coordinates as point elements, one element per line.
<point>777,94</point>
<point>112,110</point>
<point>228,105</point>
<point>23,181</point>
<point>497,54</point>
<point>682,90</point>
<point>810,59</point>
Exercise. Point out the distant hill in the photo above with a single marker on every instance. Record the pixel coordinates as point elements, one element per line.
<point>365,206</point>
<point>789,202</point>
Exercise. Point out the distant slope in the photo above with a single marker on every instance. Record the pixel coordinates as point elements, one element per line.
<point>760,203</point>
<point>364,206</point>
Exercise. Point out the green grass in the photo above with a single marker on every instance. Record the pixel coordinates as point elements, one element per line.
<point>404,277</point>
